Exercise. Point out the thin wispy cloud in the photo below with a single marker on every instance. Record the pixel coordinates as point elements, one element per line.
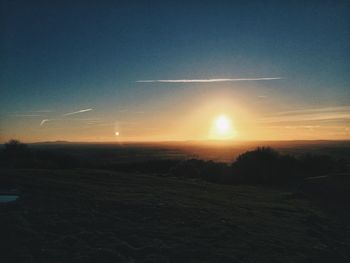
<point>42,111</point>
<point>77,112</point>
<point>318,114</point>
<point>44,121</point>
<point>87,120</point>
<point>92,121</point>
<point>295,127</point>
<point>204,80</point>
<point>314,117</point>
<point>83,119</point>
<point>26,115</point>
<point>131,112</point>
<point>104,124</point>
<point>30,113</point>
<point>315,110</point>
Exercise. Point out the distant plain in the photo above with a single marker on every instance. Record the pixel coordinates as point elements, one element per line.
<point>205,150</point>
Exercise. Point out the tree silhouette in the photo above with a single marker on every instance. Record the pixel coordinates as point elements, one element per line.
<point>264,165</point>
<point>15,148</point>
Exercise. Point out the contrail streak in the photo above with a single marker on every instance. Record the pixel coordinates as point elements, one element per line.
<point>76,112</point>
<point>202,80</point>
<point>44,121</point>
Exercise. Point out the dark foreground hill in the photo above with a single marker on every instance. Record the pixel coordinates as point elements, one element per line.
<point>101,216</point>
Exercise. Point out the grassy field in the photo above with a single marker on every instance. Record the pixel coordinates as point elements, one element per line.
<point>101,216</point>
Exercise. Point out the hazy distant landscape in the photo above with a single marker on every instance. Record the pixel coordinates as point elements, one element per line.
<point>206,150</point>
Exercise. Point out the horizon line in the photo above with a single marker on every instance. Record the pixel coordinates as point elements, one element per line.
<point>179,141</point>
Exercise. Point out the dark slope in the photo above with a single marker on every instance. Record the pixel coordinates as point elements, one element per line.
<point>99,216</point>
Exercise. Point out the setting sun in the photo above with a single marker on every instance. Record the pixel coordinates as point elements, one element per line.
<point>222,124</point>
<point>222,128</point>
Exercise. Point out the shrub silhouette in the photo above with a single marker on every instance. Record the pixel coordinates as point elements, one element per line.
<point>315,165</point>
<point>14,148</point>
<point>188,168</point>
<point>215,172</point>
<point>264,165</point>
<point>16,154</point>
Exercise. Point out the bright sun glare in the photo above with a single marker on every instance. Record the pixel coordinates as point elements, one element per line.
<point>222,124</point>
<point>222,128</point>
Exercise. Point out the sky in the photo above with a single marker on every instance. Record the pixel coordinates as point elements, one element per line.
<point>174,70</point>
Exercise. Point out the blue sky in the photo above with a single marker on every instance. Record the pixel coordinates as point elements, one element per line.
<point>61,57</point>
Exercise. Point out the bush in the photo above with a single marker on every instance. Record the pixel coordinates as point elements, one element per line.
<point>264,165</point>
<point>14,148</point>
<point>315,165</point>
<point>16,154</point>
<point>188,168</point>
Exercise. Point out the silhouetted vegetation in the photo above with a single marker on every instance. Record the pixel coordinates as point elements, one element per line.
<point>263,165</point>
<point>314,165</point>
<point>15,148</point>
<point>16,154</point>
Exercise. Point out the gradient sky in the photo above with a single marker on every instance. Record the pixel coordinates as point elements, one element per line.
<point>71,71</point>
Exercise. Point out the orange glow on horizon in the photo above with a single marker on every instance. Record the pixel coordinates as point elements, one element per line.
<point>220,117</point>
